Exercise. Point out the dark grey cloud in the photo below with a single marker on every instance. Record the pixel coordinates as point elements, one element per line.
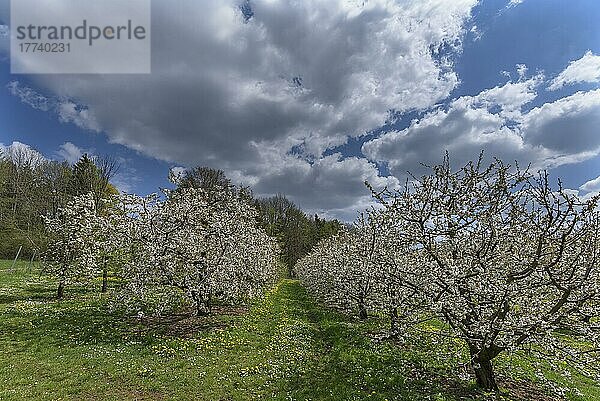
<point>240,90</point>
<point>568,125</point>
<point>239,93</point>
<point>333,185</point>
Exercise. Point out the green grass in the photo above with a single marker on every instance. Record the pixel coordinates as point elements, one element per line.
<point>283,347</point>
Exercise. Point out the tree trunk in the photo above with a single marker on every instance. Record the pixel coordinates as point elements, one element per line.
<point>484,373</point>
<point>60,292</point>
<point>202,307</point>
<point>394,322</point>
<point>362,309</point>
<point>104,279</point>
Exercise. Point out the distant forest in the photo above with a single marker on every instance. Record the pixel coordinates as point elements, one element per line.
<point>32,187</point>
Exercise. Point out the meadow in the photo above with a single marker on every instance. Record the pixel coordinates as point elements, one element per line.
<point>281,347</point>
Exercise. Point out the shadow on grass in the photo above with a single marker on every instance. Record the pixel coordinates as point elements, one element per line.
<point>64,324</point>
<point>345,364</point>
<point>186,324</point>
<point>83,317</point>
<point>33,292</point>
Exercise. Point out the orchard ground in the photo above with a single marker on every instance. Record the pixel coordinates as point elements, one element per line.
<point>282,347</point>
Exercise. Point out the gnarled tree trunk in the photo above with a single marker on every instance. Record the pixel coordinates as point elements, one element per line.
<point>60,292</point>
<point>481,362</point>
<point>484,374</point>
<point>104,278</point>
<point>362,308</point>
<point>203,306</point>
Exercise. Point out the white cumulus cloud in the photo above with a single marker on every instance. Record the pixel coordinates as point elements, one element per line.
<point>70,152</point>
<point>586,69</point>
<point>66,110</point>
<point>591,186</point>
<point>69,112</point>
<point>468,125</point>
<point>556,133</point>
<point>240,93</point>
<point>514,3</point>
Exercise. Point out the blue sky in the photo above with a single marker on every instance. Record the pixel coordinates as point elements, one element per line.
<point>223,93</point>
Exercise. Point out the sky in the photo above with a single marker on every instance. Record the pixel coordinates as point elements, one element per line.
<point>312,98</point>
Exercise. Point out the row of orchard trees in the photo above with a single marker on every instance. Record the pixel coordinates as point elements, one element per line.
<point>191,245</point>
<point>503,259</point>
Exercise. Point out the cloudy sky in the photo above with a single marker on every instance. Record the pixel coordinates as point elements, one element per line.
<point>311,98</point>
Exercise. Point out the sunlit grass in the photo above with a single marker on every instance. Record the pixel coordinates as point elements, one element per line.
<point>282,347</point>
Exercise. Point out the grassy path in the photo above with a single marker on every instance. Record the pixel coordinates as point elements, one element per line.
<point>284,348</point>
<point>335,360</point>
